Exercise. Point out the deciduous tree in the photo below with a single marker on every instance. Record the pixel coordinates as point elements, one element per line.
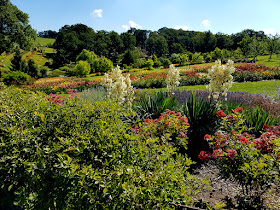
<point>14,28</point>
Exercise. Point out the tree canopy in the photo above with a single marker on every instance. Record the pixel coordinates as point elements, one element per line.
<point>14,28</point>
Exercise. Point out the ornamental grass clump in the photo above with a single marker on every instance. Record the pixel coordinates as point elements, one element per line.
<point>173,77</point>
<point>119,87</point>
<point>220,79</point>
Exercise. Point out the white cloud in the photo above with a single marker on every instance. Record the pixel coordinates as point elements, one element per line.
<point>206,23</point>
<point>268,31</point>
<point>97,13</point>
<point>185,28</point>
<point>131,24</point>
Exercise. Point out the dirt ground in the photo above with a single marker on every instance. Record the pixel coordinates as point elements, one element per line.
<point>228,192</point>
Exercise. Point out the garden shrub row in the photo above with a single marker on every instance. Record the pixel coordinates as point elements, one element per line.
<point>74,154</point>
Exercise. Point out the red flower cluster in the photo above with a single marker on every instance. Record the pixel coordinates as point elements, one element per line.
<point>207,136</point>
<point>221,113</point>
<point>239,109</point>
<point>231,118</point>
<point>217,153</point>
<point>242,138</point>
<point>263,143</point>
<point>168,122</point>
<point>221,139</point>
<point>204,155</point>
<point>231,153</point>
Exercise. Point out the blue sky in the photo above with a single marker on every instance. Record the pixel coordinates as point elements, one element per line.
<point>226,16</point>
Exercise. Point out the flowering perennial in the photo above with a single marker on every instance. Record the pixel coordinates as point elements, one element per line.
<point>119,87</point>
<point>220,78</point>
<point>253,162</point>
<point>169,126</point>
<point>173,77</point>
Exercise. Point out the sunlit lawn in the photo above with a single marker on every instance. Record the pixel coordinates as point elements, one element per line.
<point>273,62</point>
<point>250,87</point>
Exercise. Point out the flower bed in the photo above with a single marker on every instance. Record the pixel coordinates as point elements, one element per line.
<point>62,86</point>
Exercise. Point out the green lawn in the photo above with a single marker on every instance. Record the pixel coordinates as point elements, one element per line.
<point>250,87</point>
<point>44,41</point>
<point>273,62</point>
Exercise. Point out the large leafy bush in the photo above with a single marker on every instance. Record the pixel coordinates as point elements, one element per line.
<point>80,155</point>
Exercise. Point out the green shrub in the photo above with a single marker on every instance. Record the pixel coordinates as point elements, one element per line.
<point>149,64</point>
<point>82,68</point>
<point>82,156</point>
<point>56,73</point>
<point>170,126</point>
<point>15,78</point>
<point>253,162</point>
<point>102,65</point>
<point>166,63</point>
<point>43,71</point>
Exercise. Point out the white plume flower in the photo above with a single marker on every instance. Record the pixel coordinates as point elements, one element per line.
<point>119,87</point>
<point>220,78</point>
<point>173,77</point>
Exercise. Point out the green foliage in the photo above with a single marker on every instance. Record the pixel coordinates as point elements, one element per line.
<point>256,118</point>
<point>197,58</point>
<point>157,63</point>
<point>175,58</point>
<point>157,44</point>
<point>43,71</point>
<point>32,68</point>
<point>253,162</point>
<point>15,78</point>
<point>80,155</point>
<point>94,94</point>
<point>149,64</point>
<point>70,42</point>
<point>57,73</point>
<point>202,117</point>
<point>14,28</point>
<point>82,68</point>
<point>103,65</point>
<point>86,55</point>
<point>166,63</point>
<point>245,46</point>
<point>150,106</point>
<point>128,58</point>
<point>17,64</point>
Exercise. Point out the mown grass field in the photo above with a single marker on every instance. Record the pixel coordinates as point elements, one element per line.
<point>273,62</point>
<point>268,87</point>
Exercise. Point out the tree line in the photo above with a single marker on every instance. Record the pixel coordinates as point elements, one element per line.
<point>119,48</point>
<point>134,48</point>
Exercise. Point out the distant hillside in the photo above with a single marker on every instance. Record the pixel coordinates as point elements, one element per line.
<point>41,56</point>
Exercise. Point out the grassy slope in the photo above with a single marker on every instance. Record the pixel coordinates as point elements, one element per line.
<point>38,58</point>
<point>44,41</point>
